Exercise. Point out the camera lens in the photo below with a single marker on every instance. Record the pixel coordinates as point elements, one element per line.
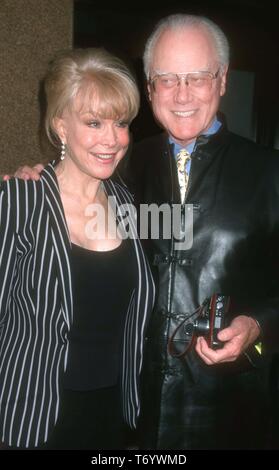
<point>201,326</point>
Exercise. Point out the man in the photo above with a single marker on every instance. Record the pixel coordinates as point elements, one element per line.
<point>207,398</point>
<point>196,396</point>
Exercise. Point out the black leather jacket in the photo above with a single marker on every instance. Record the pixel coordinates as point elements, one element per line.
<point>234,189</point>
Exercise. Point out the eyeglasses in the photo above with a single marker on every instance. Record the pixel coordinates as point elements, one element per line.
<point>194,80</point>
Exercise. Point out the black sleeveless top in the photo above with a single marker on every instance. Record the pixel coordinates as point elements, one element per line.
<point>103,282</point>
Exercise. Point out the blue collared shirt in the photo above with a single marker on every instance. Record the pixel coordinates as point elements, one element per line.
<point>215,126</point>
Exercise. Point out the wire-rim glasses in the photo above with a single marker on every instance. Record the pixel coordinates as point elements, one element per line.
<point>201,80</point>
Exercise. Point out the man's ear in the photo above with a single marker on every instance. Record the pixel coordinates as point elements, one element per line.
<point>59,126</point>
<point>224,74</point>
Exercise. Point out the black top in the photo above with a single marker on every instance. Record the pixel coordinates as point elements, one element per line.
<point>103,282</point>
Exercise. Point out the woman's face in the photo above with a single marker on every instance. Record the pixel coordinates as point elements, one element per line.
<point>95,145</point>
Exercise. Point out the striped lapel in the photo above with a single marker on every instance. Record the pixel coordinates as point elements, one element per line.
<point>60,239</point>
<point>137,316</point>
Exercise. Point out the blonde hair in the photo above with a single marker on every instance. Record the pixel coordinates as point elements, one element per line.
<point>98,78</point>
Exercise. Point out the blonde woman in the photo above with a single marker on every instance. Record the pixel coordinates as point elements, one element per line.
<point>73,307</point>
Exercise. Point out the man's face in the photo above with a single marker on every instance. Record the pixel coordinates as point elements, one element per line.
<point>186,111</point>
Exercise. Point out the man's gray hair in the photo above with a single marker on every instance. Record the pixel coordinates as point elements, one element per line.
<point>183,21</point>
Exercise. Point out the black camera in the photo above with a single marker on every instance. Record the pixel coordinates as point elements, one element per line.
<point>212,319</point>
<point>207,320</point>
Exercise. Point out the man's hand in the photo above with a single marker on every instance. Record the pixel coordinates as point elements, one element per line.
<point>27,173</point>
<point>242,332</point>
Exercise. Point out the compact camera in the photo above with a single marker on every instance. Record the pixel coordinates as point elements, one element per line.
<point>207,320</point>
<point>212,319</point>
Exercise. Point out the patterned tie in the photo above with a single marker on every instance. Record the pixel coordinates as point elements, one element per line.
<point>182,158</point>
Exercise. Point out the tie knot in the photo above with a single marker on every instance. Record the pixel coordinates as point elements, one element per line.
<point>182,157</point>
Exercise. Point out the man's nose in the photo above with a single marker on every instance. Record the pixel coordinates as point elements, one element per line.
<point>183,90</point>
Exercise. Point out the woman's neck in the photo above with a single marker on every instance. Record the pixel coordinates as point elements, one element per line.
<point>78,184</point>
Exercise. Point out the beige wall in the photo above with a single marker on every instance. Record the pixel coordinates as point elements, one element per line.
<point>31,31</point>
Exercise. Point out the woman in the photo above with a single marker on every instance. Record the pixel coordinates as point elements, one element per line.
<point>75,294</point>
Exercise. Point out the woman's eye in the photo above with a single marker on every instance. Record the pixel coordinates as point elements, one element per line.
<point>95,124</point>
<point>123,124</point>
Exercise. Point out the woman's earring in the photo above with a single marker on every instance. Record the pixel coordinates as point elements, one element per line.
<point>63,150</point>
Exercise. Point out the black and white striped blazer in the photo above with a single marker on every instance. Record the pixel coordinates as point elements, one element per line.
<point>36,309</point>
